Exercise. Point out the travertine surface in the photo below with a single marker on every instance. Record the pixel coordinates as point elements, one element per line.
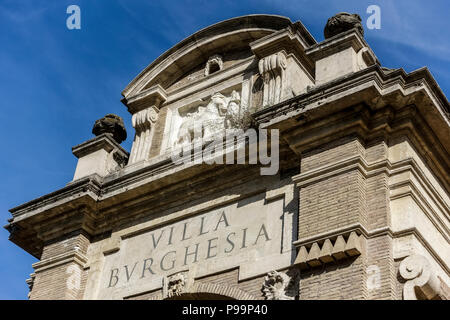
<point>361,195</point>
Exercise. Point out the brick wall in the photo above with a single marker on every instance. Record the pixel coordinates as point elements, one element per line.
<point>337,281</point>
<point>341,198</point>
<point>60,274</point>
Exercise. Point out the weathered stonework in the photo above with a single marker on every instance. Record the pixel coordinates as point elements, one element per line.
<point>359,208</point>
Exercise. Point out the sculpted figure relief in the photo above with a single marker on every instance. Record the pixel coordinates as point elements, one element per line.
<point>176,284</point>
<point>275,286</point>
<point>219,114</point>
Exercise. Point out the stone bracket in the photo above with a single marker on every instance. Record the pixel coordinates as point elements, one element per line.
<point>421,281</point>
<point>272,69</point>
<point>318,253</point>
<point>143,121</point>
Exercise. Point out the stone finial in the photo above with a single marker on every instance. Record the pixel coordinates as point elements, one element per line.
<point>112,124</point>
<point>342,22</point>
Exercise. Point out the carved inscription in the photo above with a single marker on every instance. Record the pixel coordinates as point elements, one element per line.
<point>192,241</point>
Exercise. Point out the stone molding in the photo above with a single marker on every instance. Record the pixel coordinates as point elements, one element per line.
<point>293,40</point>
<point>103,141</point>
<point>421,282</point>
<point>93,161</point>
<point>88,186</point>
<point>153,96</point>
<point>372,76</point>
<point>390,169</point>
<point>337,43</point>
<point>130,201</point>
<point>74,256</point>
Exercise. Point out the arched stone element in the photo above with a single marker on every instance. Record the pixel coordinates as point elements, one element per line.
<point>223,290</point>
<point>421,282</point>
<point>181,58</point>
<point>211,290</point>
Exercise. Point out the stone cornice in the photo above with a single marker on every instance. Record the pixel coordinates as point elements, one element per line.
<point>316,116</point>
<point>373,76</point>
<point>103,141</point>
<point>337,43</point>
<point>155,95</point>
<point>390,169</point>
<point>88,186</point>
<point>287,39</point>
<point>73,256</point>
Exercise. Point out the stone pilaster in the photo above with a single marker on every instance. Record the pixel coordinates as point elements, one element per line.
<point>61,274</point>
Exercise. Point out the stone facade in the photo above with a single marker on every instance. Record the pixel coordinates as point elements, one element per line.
<point>358,209</point>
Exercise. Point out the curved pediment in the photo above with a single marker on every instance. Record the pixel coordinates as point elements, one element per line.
<point>230,38</point>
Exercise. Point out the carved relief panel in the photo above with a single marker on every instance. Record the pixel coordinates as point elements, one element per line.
<point>206,117</point>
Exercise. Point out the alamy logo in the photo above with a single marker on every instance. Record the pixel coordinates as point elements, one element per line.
<point>373,277</point>
<point>74,279</point>
<point>74,20</point>
<point>374,20</point>
<point>231,144</point>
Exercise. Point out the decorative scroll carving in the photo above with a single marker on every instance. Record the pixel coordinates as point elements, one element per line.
<point>219,114</point>
<point>276,286</point>
<point>272,69</point>
<point>176,285</point>
<point>143,121</point>
<point>421,282</point>
<point>214,61</point>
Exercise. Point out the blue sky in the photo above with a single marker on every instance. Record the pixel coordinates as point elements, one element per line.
<point>56,82</point>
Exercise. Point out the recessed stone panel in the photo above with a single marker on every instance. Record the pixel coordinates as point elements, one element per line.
<point>246,234</point>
